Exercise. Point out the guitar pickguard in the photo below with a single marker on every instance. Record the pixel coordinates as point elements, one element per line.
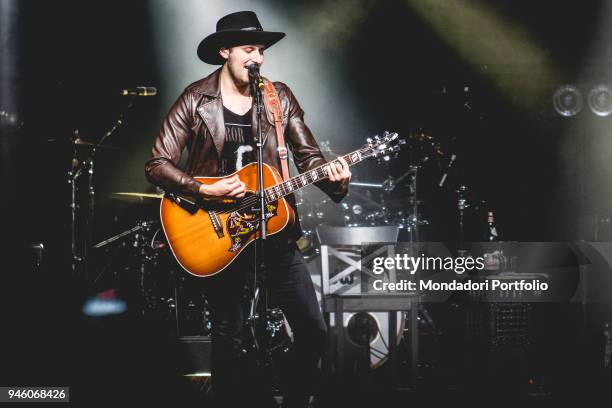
<point>242,225</point>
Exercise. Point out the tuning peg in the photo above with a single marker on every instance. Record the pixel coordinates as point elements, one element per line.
<point>377,138</point>
<point>369,140</point>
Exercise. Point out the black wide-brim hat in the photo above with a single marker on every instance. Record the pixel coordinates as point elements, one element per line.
<point>240,28</point>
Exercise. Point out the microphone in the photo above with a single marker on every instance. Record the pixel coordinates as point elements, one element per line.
<point>450,163</point>
<point>254,75</point>
<point>140,91</point>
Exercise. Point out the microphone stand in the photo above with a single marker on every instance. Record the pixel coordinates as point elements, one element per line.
<point>260,316</point>
<point>259,299</point>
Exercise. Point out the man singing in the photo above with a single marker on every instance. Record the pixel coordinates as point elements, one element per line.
<point>215,119</point>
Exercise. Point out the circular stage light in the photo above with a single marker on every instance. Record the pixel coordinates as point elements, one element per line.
<point>568,100</point>
<point>600,100</point>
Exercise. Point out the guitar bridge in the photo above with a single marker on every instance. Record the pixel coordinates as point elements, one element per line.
<point>216,222</point>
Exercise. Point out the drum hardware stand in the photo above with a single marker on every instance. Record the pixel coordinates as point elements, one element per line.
<point>462,205</point>
<point>79,256</point>
<point>414,222</point>
<point>390,183</point>
<point>78,169</point>
<point>141,225</point>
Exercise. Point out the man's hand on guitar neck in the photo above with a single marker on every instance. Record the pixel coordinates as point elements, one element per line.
<point>339,172</point>
<point>225,188</point>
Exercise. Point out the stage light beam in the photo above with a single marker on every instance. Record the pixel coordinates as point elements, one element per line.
<point>481,36</point>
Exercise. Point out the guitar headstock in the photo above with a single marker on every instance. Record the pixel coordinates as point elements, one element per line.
<point>383,147</point>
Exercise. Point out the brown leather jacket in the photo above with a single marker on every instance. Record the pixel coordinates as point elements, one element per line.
<point>195,121</point>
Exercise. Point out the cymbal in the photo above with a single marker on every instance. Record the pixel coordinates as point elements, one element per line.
<point>81,142</point>
<point>90,144</point>
<point>138,195</point>
<point>366,184</point>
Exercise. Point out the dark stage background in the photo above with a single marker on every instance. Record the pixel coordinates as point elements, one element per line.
<point>477,77</point>
<point>532,166</point>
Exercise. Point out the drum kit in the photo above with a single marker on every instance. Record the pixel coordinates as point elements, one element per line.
<point>138,263</point>
<point>164,292</point>
<point>391,201</point>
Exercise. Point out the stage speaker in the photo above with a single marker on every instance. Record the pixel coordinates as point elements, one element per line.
<point>196,355</point>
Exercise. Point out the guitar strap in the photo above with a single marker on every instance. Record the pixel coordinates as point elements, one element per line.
<point>273,105</point>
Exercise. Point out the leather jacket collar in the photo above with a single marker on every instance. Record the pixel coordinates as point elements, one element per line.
<point>210,110</point>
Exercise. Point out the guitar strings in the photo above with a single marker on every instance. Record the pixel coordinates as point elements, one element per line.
<point>253,199</point>
<point>250,201</point>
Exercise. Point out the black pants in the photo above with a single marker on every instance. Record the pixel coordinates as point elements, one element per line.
<point>291,289</point>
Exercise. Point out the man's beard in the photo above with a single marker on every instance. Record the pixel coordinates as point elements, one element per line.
<point>238,75</point>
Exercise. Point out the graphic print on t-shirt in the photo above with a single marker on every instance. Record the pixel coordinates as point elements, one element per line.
<point>238,148</point>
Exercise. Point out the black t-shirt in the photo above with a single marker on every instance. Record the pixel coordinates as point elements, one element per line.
<point>238,149</point>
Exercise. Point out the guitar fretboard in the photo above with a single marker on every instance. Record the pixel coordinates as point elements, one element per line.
<point>311,176</point>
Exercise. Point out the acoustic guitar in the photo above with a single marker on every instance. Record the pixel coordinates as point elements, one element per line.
<point>206,236</point>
